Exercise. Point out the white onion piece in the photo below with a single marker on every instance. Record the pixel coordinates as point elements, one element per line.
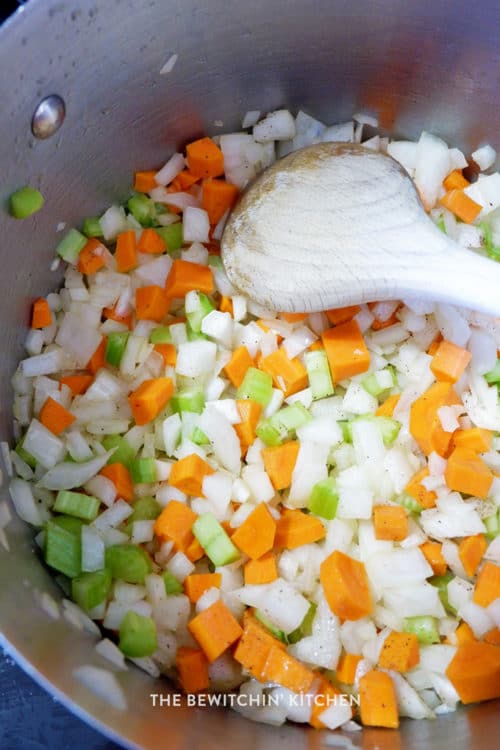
<point>170,170</point>
<point>66,476</point>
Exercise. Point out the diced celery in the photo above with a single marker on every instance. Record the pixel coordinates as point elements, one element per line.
<point>324,499</point>
<point>124,452</point>
<point>409,503</point>
<point>346,431</point>
<point>128,562</point>
<point>25,202</point>
<point>137,635</point>
<point>22,453</point>
<point>388,427</point>
<point>492,525</point>
<point>143,470</point>
<point>318,372</point>
<point>214,540</point>
<point>199,308</point>
<point>441,225</point>
<point>70,246</point>
<point>160,335</point>
<point>305,627</point>
<point>198,437</point>
<point>172,235</point>
<point>424,627</point>
<point>290,418</point>
<point>441,583</point>
<point>195,335</point>
<point>257,386</point>
<point>492,250</point>
<point>142,209</point>
<point>188,399</point>
<point>115,347</point>
<point>92,227</point>
<point>216,262</point>
<point>172,585</point>
<point>63,545</point>
<point>269,625</point>
<point>493,376</point>
<point>91,589</point>
<point>145,509</point>
<point>268,433</point>
<point>77,504</point>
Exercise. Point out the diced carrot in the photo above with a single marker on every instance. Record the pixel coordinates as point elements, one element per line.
<point>399,652</point>
<point>217,197</point>
<point>474,671</point>
<point>471,550</point>
<point>151,303</point>
<point>120,476</point>
<point>326,695</point>
<point>315,346</point>
<point>175,523</point>
<point>387,408</point>
<point>346,588</point>
<point>254,646</point>
<point>194,551</point>
<point>461,205</point>
<point>55,417</point>
<point>185,276</point>
<point>416,490</point>
<point>295,528</point>
<point>346,350</point>
<point>466,472</point>
<point>215,629</point>
<point>379,325</point>
<point>342,314</point>
<point>151,243</point>
<point>41,316</point>
<point>294,317</point>
<point>192,667</point>
<point>475,439</point>
<point>493,636</point>
<point>188,473</point>
<point>196,584</point>
<point>185,180</point>
<point>433,553</point>
<point>126,251</point>
<point>226,305</point>
<point>378,703</point>
<point>98,359</point>
<point>261,571</point>
<point>425,425</point>
<point>283,669</point>
<point>434,346</point>
<point>150,398</point>
<point>289,375</point>
<point>279,462</point>
<point>455,180</point>
<point>390,522</point>
<point>144,182</point>
<point>449,361</point>
<point>346,668</point>
<point>91,258</point>
<point>487,587</point>
<point>78,384</point>
<point>249,412</point>
<point>255,536</point>
<point>238,365</point>
<point>168,353</point>
<point>464,634</point>
<point>204,158</point>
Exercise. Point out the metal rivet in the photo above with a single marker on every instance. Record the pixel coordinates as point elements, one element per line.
<point>48,117</point>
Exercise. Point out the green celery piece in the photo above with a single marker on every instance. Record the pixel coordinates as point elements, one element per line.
<point>199,438</point>
<point>115,347</point>
<point>92,227</point>
<point>257,386</point>
<point>279,634</point>
<point>172,585</point>
<point>71,245</point>
<point>318,372</point>
<point>127,562</point>
<point>493,376</point>
<point>188,399</point>
<point>22,453</point>
<point>346,431</point>
<point>195,335</point>
<point>145,509</point>
<point>268,433</point>
<point>214,540</point>
<point>124,452</point>
<point>441,583</point>
<point>172,236</point>
<point>388,427</point>
<point>204,307</point>
<point>142,209</point>
<point>77,504</point>
<point>216,262</point>
<point>25,202</point>
<point>137,635</point>
<point>324,499</point>
<point>290,418</point>
<point>160,335</point>
<point>492,250</point>
<point>305,627</point>
<point>143,470</point>
<point>91,589</point>
<point>409,503</point>
<point>371,385</point>
<point>492,525</point>
<point>441,225</point>
<point>63,545</point>
<point>424,627</point>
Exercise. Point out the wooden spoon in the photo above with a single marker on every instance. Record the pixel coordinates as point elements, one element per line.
<point>336,224</point>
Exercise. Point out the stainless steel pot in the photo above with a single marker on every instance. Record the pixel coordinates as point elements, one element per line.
<point>434,64</point>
